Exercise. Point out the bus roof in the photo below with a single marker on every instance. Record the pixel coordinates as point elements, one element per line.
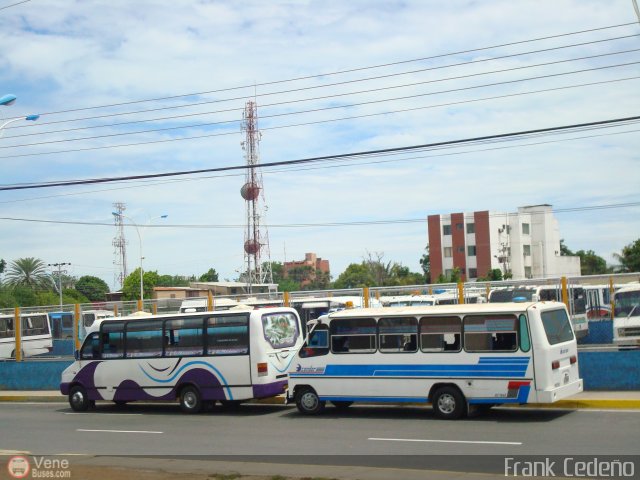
<point>481,308</point>
<point>148,316</point>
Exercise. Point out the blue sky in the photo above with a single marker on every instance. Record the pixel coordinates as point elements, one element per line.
<point>77,55</point>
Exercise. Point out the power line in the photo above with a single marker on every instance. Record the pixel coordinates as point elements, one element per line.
<point>326,157</point>
<point>344,165</point>
<point>14,4</point>
<point>181,127</point>
<point>195,137</point>
<point>353,223</point>
<point>192,104</point>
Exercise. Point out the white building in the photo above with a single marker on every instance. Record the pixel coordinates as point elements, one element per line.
<point>526,244</point>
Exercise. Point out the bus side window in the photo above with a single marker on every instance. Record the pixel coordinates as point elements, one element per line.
<point>112,340</point>
<point>318,343</point>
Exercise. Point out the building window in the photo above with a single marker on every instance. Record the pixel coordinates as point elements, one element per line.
<point>448,272</point>
<point>459,226</point>
<point>526,250</point>
<point>446,229</point>
<point>525,229</point>
<point>527,272</point>
<point>473,273</point>
<point>471,250</point>
<point>447,252</point>
<point>471,228</point>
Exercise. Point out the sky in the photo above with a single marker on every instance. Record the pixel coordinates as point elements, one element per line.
<point>134,88</point>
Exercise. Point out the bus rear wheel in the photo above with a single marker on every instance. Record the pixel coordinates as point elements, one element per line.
<point>308,402</point>
<point>190,400</point>
<point>78,399</point>
<point>449,403</point>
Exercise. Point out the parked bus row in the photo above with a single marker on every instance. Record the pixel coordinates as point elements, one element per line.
<point>35,335</point>
<point>457,357</point>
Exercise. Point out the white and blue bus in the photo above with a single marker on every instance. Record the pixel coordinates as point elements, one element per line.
<point>35,335</point>
<point>452,356</point>
<point>197,358</point>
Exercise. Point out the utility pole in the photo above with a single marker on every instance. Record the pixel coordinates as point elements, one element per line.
<point>60,272</point>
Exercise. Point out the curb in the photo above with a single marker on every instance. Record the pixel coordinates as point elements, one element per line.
<point>622,404</point>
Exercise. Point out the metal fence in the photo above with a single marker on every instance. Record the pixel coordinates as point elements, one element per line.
<point>600,319</point>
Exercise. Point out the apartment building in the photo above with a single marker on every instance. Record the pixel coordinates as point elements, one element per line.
<point>525,244</point>
<point>311,260</point>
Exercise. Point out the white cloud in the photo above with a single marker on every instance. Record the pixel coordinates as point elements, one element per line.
<point>64,55</point>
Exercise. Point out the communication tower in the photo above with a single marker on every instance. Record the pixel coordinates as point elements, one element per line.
<point>257,256</point>
<point>119,246</point>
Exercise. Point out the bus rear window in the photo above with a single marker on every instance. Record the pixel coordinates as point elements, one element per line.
<point>557,326</point>
<point>280,329</point>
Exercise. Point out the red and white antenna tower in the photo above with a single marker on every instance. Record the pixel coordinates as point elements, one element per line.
<point>257,256</point>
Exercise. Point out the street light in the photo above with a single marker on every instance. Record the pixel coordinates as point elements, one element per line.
<point>10,99</point>
<point>116,214</point>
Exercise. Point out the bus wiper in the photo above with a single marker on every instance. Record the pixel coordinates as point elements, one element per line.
<point>631,312</point>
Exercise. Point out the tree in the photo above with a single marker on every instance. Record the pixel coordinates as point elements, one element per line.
<point>94,288</point>
<point>591,264</point>
<point>629,258</point>
<point>564,250</point>
<point>174,281</point>
<point>210,276</point>
<point>493,275</point>
<point>356,275</point>
<point>425,263</point>
<point>131,285</point>
<point>29,272</point>
<point>3,264</point>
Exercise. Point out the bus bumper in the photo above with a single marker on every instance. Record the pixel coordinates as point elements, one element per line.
<point>555,394</point>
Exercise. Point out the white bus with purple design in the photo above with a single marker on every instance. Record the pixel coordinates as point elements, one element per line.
<point>197,358</point>
<point>455,357</point>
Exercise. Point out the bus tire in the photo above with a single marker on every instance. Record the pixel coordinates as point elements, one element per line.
<point>341,405</point>
<point>190,400</point>
<point>449,403</point>
<point>78,399</point>
<point>308,402</point>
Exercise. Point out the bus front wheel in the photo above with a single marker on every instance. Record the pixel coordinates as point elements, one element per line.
<point>190,400</point>
<point>308,402</point>
<point>449,403</point>
<point>78,399</point>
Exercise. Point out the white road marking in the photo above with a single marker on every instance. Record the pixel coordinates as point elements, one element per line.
<point>116,431</point>
<point>14,452</point>
<point>442,441</point>
<point>101,414</point>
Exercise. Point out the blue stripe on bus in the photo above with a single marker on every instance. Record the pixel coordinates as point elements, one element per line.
<point>523,395</point>
<point>173,377</point>
<point>486,368</point>
<point>375,399</point>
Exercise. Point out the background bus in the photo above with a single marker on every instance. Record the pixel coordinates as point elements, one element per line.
<point>197,358</point>
<point>61,325</point>
<point>35,335</point>
<point>451,356</point>
<point>626,320</point>
<point>553,293</point>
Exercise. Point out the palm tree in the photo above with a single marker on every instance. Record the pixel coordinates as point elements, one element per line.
<point>29,272</point>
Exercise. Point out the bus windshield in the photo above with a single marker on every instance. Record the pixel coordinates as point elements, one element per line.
<point>627,303</point>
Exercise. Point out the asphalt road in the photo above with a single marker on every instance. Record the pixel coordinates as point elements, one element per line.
<point>389,437</point>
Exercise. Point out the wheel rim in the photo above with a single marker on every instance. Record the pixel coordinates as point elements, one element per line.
<point>190,400</point>
<point>77,398</point>
<point>309,401</point>
<point>446,403</point>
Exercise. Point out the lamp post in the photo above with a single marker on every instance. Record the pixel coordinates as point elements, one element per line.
<point>116,214</point>
<point>10,99</point>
